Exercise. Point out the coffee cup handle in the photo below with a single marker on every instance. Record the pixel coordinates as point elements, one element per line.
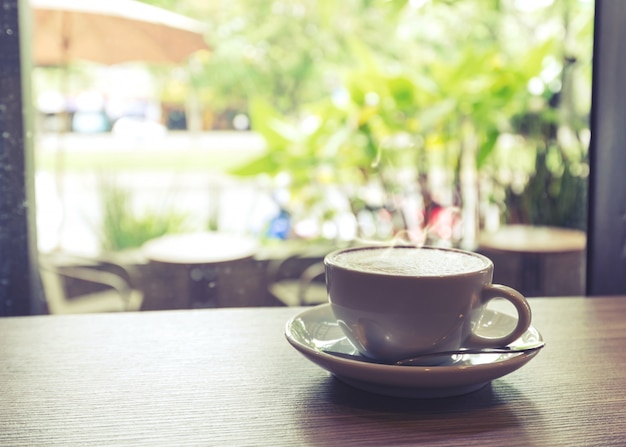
<point>492,291</point>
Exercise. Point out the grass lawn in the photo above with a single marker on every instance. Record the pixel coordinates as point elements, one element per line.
<point>214,160</point>
<point>173,151</point>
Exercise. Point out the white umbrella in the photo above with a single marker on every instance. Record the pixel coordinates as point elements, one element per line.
<point>111,32</point>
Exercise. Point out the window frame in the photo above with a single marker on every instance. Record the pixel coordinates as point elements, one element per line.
<point>606,229</point>
<point>20,287</point>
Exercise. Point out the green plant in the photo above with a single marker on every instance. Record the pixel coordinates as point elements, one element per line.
<point>123,228</point>
<point>389,127</point>
<point>549,152</point>
<point>453,76</point>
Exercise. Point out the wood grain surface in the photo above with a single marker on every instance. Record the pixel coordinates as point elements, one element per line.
<point>227,377</point>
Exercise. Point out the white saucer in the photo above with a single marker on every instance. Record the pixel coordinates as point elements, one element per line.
<point>315,330</point>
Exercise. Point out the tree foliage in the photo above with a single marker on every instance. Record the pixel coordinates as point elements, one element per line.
<point>460,78</point>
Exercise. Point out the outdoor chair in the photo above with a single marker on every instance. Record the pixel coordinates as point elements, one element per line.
<point>110,292</point>
<point>307,289</point>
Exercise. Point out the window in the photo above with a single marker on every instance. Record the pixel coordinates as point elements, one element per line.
<point>611,12</point>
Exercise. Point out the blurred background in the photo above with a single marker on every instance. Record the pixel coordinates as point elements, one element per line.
<point>303,122</point>
<point>358,119</point>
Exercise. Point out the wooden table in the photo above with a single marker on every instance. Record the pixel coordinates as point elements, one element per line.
<point>227,377</point>
<point>206,269</point>
<point>536,260</point>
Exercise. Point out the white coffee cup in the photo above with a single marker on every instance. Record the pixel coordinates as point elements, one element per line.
<point>393,302</point>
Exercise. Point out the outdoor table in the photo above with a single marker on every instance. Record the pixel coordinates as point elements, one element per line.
<point>227,377</point>
<point>536,260</point>
<point>201,270</point>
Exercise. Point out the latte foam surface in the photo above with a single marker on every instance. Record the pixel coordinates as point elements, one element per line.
<point>409,261</point>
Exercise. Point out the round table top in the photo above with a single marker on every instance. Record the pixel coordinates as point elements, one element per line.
<point>200,248</point>
<point>534,239</point>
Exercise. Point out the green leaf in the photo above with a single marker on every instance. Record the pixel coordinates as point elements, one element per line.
<point>265,164</point>
<point>485,149</point>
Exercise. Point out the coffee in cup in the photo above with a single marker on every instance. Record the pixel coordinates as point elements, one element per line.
<point>394,302</point>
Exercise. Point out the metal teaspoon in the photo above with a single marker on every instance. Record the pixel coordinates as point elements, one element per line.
<point>418,360</point>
